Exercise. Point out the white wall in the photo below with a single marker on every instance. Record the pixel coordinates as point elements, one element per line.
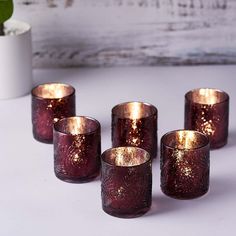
<point>130,32</point>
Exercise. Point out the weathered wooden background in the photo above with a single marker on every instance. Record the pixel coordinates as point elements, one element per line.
<point>130,32</point>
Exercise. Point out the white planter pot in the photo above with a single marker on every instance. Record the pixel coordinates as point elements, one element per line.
<point>15,60</point>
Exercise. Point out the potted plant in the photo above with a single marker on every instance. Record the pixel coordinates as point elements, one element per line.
<point>15,54</point>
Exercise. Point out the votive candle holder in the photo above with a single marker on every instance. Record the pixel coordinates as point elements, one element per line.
<point>126,182</point>
<point>50,102</point>
<point>185,164</point>
<point>135,124</point>
<point>77,149</point>
<point>207,111</point>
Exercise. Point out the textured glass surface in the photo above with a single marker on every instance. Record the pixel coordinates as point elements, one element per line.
<point>207,111</point>
<point>126,182</point>
<point>50,102</point>
<point>135,124</point>
<point>77,149</point>
<point>185,164</point>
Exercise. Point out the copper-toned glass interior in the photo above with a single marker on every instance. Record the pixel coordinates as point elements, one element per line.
<point>77,125</point>
<point>207,96</point>
<point>53,91</point>
<point>126,156</point>
<point>185,139</point>
<point>134,110</point>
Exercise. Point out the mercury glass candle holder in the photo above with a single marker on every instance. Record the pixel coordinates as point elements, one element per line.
<point>50,102</point>
<point>207,111</point>
<point>135,124</point>
<point>77,149</point>
<point>126,182</point>
<point>185,164</point>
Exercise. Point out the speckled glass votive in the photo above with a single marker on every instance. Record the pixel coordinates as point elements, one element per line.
<point>50,102</point>
<point>135,124</point>
<point>77,149</point>
<point>185,164</point>
<point>207,111</point>
<point>126,182</point>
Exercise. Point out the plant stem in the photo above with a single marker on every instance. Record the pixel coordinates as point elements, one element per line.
<point>1,29</point>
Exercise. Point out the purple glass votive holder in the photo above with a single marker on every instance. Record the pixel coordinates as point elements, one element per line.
<point>126,182</point>
<point>185,164</point>
<point>50,102</point>
<point>207,111</point>
<point>77,149</point>
<point>135,124</point>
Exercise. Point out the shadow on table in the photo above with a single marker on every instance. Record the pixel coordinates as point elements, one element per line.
<point>231,139</point>
<point>163,204</point>
<point>98,178</point>
<point>219,188</point>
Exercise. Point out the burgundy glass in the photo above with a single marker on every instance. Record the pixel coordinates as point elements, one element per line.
<point>207,111</point>
<point>185,164</point>
<point>126,182</point>
<point>77,149</point>
<point>135,124</point>
<point>50,102</point>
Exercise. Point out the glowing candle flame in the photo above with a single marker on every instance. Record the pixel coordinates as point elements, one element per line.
<point>207,96</point>
<point>76,126</point>
<point>136,111</point>
<point>53,91</point>
<point>128,157</point>
<point>186,139</point>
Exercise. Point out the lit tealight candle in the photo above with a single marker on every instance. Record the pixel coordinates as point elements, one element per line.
<point>77,149</point>
<point>50,102</point>
<point>135,124</point>
<point>207,111</point>
<point>126,182</point>
<point>185,164</point>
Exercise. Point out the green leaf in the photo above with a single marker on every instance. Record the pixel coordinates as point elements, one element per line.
<point>6,10</point>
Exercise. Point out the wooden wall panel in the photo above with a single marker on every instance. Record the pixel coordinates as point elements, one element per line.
<point>130,32</point>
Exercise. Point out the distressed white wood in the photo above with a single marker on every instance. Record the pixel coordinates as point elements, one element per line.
<point>130,32</point>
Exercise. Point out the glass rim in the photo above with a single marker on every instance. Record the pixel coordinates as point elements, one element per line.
<point>33,91</point>
<point>149,160</point>
<point>206,143</point>
<point>153,109</point>
<point>213,89</point>
<point>57,130</point>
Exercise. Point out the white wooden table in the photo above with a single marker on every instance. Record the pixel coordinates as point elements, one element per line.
<point>34,202</point>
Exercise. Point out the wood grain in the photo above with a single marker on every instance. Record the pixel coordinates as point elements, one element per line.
<point>70,33</point>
